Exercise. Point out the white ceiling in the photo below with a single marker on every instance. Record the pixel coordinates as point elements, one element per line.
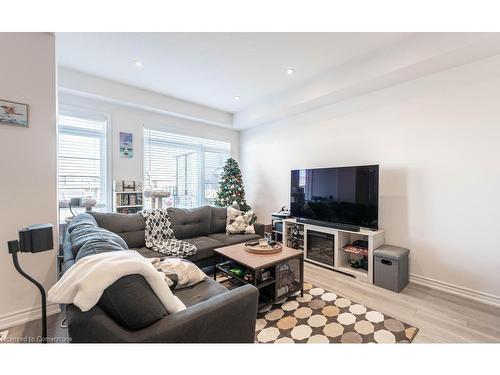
<point>211,68</point>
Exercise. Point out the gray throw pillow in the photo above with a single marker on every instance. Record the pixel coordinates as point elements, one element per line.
<point>131,302</point>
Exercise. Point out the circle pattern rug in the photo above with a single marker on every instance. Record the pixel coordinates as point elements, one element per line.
<point>324,317</point>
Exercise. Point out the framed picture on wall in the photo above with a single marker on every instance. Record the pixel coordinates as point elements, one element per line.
<point>126,147</point>
<point>128,185</point>
<point>12,113</point>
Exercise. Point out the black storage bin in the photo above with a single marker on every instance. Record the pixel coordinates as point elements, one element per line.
<point>391,267</point>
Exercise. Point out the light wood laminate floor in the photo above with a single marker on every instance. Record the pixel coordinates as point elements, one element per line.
<point>440,317</point>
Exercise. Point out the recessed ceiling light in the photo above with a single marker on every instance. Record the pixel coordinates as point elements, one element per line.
<point>138,63</point>
<point>290,71</point>
<point>237,97</point>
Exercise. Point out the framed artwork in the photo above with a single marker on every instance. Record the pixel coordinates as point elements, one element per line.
<point>128,185</point>
<point>12,113</point>
<point>126,148</point>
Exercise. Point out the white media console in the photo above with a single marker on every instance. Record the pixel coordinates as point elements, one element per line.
<point>342,238</point>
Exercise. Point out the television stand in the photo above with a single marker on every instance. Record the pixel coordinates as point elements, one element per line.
<point>326,246</point>
<point>352,228</point>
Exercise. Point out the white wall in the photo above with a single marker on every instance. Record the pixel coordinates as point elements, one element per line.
<point>437,142</point>
<point>27,168</point>
<point>131,120</point>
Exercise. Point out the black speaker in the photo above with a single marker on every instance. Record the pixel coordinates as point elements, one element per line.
<point>36,238</point>
<point>33,239</point>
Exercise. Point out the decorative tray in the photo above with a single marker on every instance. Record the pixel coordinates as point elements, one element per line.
<point>257,249</point>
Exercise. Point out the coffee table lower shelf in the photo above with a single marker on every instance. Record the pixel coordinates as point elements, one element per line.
<point>268,290</point>
<point>263,284</point>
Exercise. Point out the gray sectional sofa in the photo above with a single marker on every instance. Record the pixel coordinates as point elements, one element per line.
<point>129,311</point>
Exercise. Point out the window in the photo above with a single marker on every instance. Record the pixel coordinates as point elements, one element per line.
<point>82,159</point>
<point>187,167</point>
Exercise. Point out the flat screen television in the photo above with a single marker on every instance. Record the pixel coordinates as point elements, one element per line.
<point>345,195</point>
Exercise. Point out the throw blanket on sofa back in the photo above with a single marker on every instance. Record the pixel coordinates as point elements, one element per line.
<point>84,283</point>
<point>160,237</point>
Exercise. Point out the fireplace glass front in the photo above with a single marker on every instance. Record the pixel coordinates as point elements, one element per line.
<point>320,247</point>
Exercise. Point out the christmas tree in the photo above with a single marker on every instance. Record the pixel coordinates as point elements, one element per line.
<point>231,188</point>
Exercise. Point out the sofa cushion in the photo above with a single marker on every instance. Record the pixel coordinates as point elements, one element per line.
<point>148,253</point>
<point>218,221</point>
<point>130,227</point>
<point>205,247</point>
<point>131,302</point>
<point>189,223</point>
<point>97,246</point>
<point>200,292</point>
<point>84,233</point>
<point>232,239</point>
<point>84,219</point>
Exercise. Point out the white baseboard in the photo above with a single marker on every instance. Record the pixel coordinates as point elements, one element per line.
<point>26,315</point>
<point>474,295</point>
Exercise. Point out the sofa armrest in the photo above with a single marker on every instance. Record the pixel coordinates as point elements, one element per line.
<point>226,318</point>
<point>260,228</point>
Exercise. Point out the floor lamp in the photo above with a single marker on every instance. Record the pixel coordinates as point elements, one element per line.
<point>34,239</point>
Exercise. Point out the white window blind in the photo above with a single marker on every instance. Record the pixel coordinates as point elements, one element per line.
<point>82,158</point>
<point>188,167</point>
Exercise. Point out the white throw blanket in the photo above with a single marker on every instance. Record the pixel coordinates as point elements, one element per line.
<point>84,283</point>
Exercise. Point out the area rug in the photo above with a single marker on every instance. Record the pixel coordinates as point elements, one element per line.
<point>324,317</point>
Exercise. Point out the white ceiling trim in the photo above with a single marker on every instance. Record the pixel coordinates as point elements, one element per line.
<point>419,56</point>
<point>85,85</point>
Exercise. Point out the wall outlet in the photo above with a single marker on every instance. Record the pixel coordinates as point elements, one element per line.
<point>3,335</point>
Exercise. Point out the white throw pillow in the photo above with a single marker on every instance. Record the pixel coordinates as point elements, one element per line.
<point>180,273</point>
<point>239,222</point>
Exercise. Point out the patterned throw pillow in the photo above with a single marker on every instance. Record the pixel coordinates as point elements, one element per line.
<point>180,273</point>
<point>239,222</point>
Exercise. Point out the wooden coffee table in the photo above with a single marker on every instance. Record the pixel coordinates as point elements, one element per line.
<point>272,289</point>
